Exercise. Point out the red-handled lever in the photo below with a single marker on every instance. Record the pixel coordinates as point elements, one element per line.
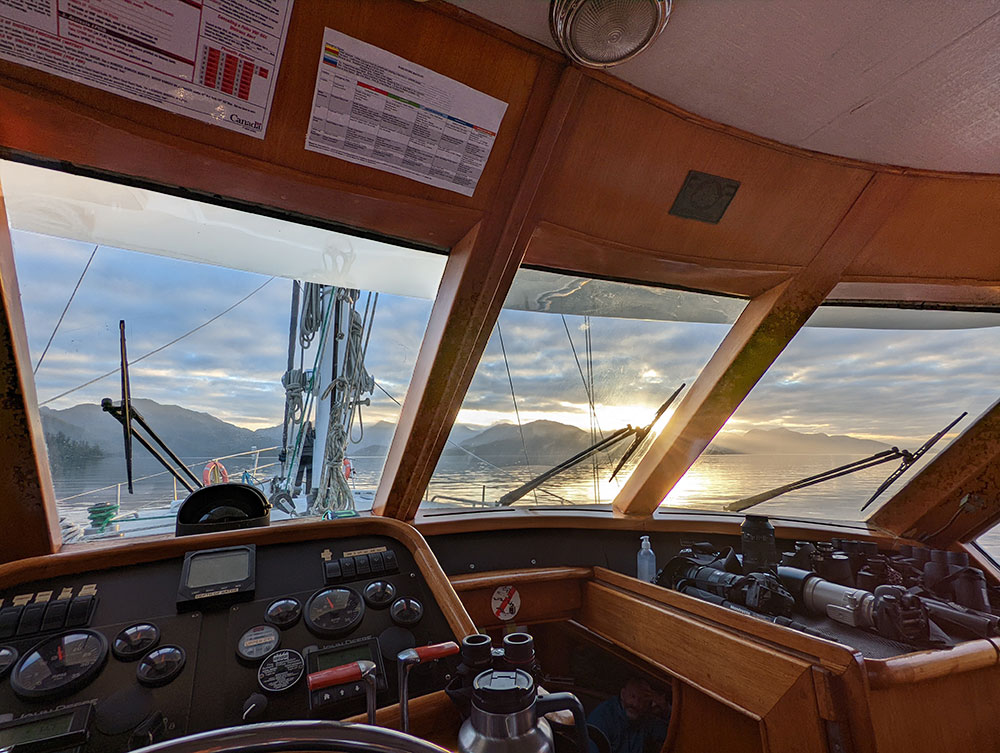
<point>341,675</point>
<point>410,657</point>
<point>436,651</point>
<point>345,673</point>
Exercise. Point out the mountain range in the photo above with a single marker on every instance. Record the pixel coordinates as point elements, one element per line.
<point>196,434</point>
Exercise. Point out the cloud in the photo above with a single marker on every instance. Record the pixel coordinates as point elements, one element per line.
<point>899,386</point>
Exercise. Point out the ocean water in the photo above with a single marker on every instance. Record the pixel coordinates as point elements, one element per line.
<point>713,482</point>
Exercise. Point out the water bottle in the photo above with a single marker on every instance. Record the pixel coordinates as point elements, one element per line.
<point>646,562</point>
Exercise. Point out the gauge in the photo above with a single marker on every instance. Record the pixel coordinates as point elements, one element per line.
<point>281,670</point>
<point>134,641</point>
<point>60,664</point>
<point>406,611</point>
<point>379,594</point>
<point>283,613</point>
<point>334,611</point>
<point>257,642</point>
<point>160,666</point>
<point>8,656</point>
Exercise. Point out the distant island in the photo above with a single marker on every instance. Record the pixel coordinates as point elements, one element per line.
<point>81,432</point>
<point>65,452</point>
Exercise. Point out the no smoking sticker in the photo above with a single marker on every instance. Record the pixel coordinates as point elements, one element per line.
<point>506,602</point>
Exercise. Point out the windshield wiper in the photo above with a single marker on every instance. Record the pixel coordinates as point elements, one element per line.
<point>607,443</point>
<point>885,456</point>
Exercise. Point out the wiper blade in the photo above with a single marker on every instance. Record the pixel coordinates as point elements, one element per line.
<point>643,433</point>
<point>885,456</point>
<point>911,458</point>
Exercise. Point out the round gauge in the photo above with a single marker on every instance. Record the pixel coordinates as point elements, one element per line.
<point>334,611</point>
<point>379,594</point>
<point>60,664</point>
<point>8,656</point>
<point>134,641</point>
<point>406,611</point>
<point>281,670</point>
<point>283,613</point>
<point>257,642</point>
<point>160,666</point>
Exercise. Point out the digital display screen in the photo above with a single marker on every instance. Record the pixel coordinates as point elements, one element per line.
<point>218,568</point>
<point>40,729</point>
<point>330,659</point>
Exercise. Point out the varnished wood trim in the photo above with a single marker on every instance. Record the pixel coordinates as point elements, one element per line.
<point>571,251</point>
<point>83,559</point>
<point>30,523</point>
<point>663,522</point>
<point>744,674</point>
<point>761,333</point>
<point>496,578</point>
<point>832,655</point>
<point>475,283</point>
<point>931,665</point>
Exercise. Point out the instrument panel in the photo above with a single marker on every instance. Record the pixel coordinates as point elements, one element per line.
<point>215,638</point>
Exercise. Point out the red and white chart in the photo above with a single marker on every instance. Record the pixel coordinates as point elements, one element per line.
<point>212,60</point>
<point>377,109</point>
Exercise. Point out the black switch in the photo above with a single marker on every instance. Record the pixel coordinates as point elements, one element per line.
<point>389,559</point>
<point>361,562</point>
<point>9,618</point>
<point>332,571</point>
<point>347,568</point>
<point>55,615</point>
<point>31,620</point>
<point>79,611</point>
<point>378,566</point>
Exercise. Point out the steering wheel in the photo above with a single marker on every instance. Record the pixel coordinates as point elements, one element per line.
<point>270,737</point>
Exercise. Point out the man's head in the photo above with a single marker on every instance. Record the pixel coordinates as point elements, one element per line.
<point>635,698</point>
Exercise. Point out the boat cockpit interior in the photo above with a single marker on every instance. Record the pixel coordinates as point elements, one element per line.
<point>766,236</point>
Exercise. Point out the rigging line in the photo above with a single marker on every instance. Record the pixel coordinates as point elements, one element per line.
<point>65,309</point>
<point>471,454</point>
<point>586,388</point>
<point>593,411</point>
<point>162,347</point>
<point>517,413</point>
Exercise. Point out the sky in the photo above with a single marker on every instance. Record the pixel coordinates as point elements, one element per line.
<point>896,386</point>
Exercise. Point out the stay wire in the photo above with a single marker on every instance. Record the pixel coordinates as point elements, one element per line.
<point>162,347</point>
<point>65,309</point>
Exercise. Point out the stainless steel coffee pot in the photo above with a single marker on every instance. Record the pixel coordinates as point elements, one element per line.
<point>506,715</point>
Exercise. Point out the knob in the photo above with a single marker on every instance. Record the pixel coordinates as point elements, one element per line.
<point>406,611</point>
<point>254,706</point>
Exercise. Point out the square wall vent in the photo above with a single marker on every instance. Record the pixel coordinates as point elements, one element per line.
<point>704,197</point>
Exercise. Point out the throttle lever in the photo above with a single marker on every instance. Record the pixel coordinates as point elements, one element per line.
<point>352,672</point>
<point>406,660</point>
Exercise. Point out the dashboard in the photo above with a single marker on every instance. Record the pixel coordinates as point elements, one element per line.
<point>110,660</point>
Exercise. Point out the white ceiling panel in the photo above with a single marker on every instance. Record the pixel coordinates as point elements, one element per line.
<point>907,82</point>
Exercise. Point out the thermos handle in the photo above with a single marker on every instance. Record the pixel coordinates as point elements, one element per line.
<point>566,702</point>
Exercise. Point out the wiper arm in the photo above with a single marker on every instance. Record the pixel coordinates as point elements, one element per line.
<point>609,441</point>
<point>885,456</point>
<point>911,458</point>
<point>605,444</point>
<point>643,433</point>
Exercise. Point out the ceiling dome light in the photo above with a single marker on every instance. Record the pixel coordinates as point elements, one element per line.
<point>603,33</point>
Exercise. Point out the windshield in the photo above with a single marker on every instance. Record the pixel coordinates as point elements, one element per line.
<point>836,396</point>
<point>573,363</point>
<point>231,367</point>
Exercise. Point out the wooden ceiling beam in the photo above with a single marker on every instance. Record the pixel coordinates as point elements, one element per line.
<point>27,501</point>
<point>761,333</point>
<point>957,495</point>
<point>476,279</point>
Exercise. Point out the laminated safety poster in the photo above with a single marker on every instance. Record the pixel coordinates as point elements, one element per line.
<point>213,60</point>
<point>377,109</point>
